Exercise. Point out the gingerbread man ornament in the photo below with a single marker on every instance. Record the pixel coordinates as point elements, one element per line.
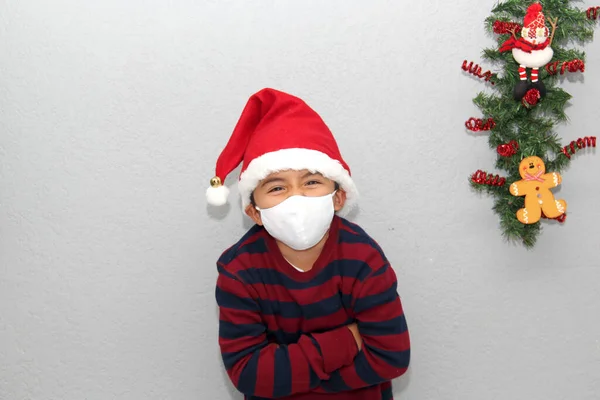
<point>535,186</point>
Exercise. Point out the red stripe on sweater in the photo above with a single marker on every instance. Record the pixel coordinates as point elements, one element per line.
<point>238,317</point>
<point>300,373</point>
<point>383,369</point>
<point>378,282</point>
<point>389,341</point>
<point>265,374</point>
<point>238,344</point>
<point>311,295</point>
<point>235,372</point>
<point>352,251</point>
<point>383,312</point>
<point>232,286</point>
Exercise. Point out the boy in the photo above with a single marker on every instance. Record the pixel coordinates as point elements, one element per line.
<point>308,307</point>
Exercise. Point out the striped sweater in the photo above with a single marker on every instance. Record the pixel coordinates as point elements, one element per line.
<point>282,332</point>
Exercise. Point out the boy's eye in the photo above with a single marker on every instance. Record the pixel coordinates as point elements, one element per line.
<point>275,189</point>
<point>313,183</point>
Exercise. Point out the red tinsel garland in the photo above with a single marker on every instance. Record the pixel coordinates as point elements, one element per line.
<point>580,143</point>
<point>571,66</point>
<point>483,178</point>
<point>477,124</point>
<point>502,27</point>
<point>508,149</point>
<point>475,69</point>
<point>593,12</point>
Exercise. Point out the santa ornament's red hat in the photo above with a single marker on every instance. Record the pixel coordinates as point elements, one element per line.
<point>276,132</point>
<point>534,18</point>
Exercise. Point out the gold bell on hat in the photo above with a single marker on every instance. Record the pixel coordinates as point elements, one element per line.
<point>216,182</point>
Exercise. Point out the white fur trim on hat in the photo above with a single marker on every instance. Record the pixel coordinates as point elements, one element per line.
<point>297,159</point>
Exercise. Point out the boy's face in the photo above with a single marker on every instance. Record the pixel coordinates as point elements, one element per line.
<point>278,186</point>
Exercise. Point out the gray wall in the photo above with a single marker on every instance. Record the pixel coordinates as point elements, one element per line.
<point>112,114</point>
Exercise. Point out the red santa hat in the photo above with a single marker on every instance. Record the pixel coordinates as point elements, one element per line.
<point>277,132</point>
<point>534,19</point>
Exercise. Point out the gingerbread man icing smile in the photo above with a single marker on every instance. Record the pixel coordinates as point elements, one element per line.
<point>535,186</point>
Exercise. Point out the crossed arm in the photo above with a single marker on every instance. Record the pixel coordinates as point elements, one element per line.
<point>323,362</point>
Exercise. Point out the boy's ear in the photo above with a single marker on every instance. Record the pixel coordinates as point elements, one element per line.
<point>339,199</point>
<point>254,214</point>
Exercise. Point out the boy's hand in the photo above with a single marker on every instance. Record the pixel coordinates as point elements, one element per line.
<point>354,329</point>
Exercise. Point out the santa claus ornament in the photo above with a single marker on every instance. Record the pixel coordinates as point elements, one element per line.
<point>532,50</point>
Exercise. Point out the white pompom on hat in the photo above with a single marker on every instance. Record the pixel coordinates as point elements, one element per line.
<point>278,132</point>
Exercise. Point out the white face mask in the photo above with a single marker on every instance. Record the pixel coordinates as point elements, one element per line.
<point>300,222</point>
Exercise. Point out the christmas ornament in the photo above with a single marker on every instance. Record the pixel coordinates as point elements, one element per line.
<point>525,112</point>
<point>532,50</point>
<point>535,186</point>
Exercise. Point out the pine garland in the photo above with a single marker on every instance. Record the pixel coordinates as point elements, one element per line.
<point>531,127</point>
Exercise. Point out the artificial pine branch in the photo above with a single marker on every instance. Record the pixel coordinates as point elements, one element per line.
<point>532,128</point>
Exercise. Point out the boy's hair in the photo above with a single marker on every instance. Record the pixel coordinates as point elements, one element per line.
<point>336,186</point>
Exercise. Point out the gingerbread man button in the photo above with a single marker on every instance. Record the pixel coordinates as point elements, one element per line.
<point>535,186</point>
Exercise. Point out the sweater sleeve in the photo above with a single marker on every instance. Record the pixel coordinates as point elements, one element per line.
<point>269,370</point>
<point>385,354</point>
